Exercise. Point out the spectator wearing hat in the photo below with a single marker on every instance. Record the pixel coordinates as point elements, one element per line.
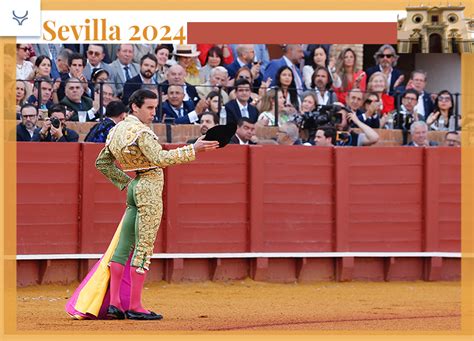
<point>123,68</point>
<point>115,112</point>
<point>185,56</point>
<point>95,60</point>
<point>148,65</point>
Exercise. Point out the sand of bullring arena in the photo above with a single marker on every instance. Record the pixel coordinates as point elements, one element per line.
<point>249,305</point>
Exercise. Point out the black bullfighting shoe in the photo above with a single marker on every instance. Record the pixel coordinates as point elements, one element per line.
<point>115,313</point>
<point>135,315</point>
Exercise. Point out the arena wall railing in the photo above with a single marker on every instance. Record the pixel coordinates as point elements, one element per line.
<point>272,213</point>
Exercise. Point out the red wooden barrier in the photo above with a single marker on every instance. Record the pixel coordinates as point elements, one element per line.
<point>253,199</point>
<point>47,198</point>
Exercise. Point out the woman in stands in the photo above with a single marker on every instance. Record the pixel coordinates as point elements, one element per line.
<point>320,57</point>
<point>285,81</point>
<point>214,58</point>
<point>162,53</point>
<point>43,67</point>
<point>309,102</point>
<point>442,118</point>
<point>267,108</point>
<point>24,68</point>
<point>372,111</point>
<point>23,91</point>
<point>378,84</point>
<point>212,100</point>
<point>349,75</point>
<point>186,57</point>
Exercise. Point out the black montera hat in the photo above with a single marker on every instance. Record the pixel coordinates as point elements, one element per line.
<point>221,133</point>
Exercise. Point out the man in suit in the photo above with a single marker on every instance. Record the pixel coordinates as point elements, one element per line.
<point>245,57</point>
<point>148,65</point>
<point>419,135</point>
<point>417,81</point>
<point>123,68</point>
<point>175,76</point>
<point>27,126</point>
<point>80,104</point>
<point>386,59</point>
<point>182,111</point>
<point>292,58</point>
<point>76,65</point>
<point>240,107</point>
<point>95,57</point>
<point>245,133</point>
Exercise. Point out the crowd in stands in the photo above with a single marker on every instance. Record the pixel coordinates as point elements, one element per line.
<point>209,84</point>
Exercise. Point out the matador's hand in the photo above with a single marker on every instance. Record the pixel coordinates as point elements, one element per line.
<point>203,146</point>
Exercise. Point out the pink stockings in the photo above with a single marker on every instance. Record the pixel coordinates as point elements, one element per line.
<point>116,272</point>
<point>137,280</point>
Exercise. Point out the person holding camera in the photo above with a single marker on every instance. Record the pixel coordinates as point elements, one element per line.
<point>54,127</point>
<point>347,137</point>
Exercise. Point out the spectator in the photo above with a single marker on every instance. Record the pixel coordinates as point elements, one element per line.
<point>24,68</point>
<point>95,60</point>
<point>27,126</point>
<point>452,139</point>
<point>261,54</point>
<point>245,133</point>
<point>244,73</point>
<point>325,136</point>
<point>162,53</point>
<point>208,120</point>
<point>54,128</point>
<point>227,52</point>
<point>76,63</point>
<point>372,112</point>
<point>321,83</point>
<point>386,59</point>
<point>378,84</point>
<point>123,68</point>
<point>62,63</point>
<point>214,58</point>
<point>347,137</point>
<point>175,76</point>
<point>185,56</point>
<point>115,112</point>
<point>107,96</point>
<point>99,76</point>
<point>419,135</point>
<point>240,107</point>
<point>293,54</point>
<point>425,104</point>
<point>285,80</point>
<point>267,108</point>
<point>213,103</point>
<point>148,65</point>
<point>407,114</point>
<point>442,117</point>
<point>80,104</point>
<point>288,134</point>
<point>354,100</point>
<point>309,102</point>
<point>350,77</point>
<point>43,67</point>
<point>245,57</point>
<point>319,57</point>
<point>46,88</point>
<point>218,79</point>
<point>22,94</point>
<point>182,111</point>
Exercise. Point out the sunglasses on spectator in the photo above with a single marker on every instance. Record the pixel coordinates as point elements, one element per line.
<point>385,55</point>
<point>94,53</point>
<point>444,98</point>
<point>244,77</point>
<point>370,101</point>
<point>24,48</point>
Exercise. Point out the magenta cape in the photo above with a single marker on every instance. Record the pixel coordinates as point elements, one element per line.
<point>91,298</point>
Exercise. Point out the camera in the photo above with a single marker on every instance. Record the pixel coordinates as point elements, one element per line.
<point>323,115</point>
<point>55,122</point>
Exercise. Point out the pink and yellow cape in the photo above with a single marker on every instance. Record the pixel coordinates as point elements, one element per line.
<point>91,298</point>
